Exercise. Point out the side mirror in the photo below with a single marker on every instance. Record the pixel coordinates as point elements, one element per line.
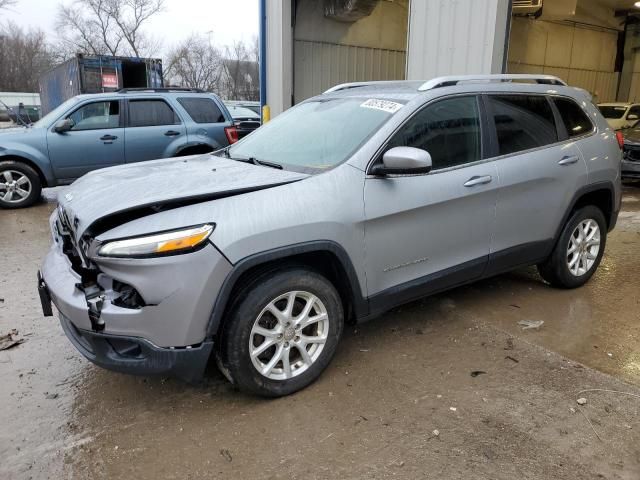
<point>62,126</point>
<point>403,161</point>
<point>632,116</point>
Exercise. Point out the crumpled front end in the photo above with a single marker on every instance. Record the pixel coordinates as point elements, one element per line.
<point>138,315</point>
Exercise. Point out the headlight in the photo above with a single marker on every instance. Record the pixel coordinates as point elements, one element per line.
<point>177,241</point>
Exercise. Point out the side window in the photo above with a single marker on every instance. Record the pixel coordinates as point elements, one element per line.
<point>573,116</point>
<point>202,110</point>
<point>449,130</point>
<point>150,113</point>
<point>522,122</point>
<point>634,111</point>
<point>96,116</point>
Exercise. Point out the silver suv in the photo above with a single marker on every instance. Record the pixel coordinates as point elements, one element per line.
<point>355,201</point>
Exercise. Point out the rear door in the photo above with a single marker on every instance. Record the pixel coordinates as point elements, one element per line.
<point>540,168</point>
<point>431,231</point>
<point>96,140</point>
<point>209,121</point>
<point>154,130</point>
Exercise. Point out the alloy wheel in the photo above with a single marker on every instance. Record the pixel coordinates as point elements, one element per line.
<point>15,186</point>
<point>288,335</point>
<point>583,248</point>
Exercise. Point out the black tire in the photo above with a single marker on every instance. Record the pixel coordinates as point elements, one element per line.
<point>30,173</point>
<point>233,353</point>
<point>555,269</point>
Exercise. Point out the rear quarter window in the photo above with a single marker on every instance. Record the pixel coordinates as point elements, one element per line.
<point>202,110</point>
<point>573,116</point>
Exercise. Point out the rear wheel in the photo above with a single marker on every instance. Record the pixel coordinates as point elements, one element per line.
<point>20,185</point>
<point>282,333</point>
<point>579,250</point>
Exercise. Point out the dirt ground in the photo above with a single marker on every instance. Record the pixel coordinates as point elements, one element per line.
<point>446,388</point>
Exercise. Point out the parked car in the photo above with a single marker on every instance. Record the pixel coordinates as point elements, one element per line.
<point>346,205</point>
<point>244,118</point>
<point>631,154</point>
<point>620,115</point>
<point>89,132</point>
<point>253,106</point>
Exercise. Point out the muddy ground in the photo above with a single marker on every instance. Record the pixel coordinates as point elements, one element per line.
<point>400,400</point>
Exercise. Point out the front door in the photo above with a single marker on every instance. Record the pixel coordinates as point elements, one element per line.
<point>96,140</point>
<point>432,231</point>
<point>154,130</point>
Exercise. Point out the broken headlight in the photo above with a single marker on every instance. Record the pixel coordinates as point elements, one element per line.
<point>165,243</point>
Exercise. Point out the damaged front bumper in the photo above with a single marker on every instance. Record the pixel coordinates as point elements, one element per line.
<point>138,356</point>
<point>155,324</point>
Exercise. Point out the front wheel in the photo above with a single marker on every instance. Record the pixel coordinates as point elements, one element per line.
<point>579,250</point>
<point>20,185</point>
<point>282,332</point>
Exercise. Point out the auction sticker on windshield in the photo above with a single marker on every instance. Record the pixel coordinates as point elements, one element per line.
<point>384,105</point>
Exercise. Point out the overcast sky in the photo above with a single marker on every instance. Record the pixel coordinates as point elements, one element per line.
<point>227,20</point>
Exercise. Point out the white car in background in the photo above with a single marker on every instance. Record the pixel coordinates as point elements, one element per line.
<point>620,115</point>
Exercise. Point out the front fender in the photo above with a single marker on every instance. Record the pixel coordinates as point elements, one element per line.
<point>16,151</point>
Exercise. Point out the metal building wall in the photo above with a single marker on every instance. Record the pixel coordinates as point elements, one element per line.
<point>583,56</point>
<point>456,37</point>
<point>328,52</point>
<point>319,66</point>
<point>279,57</point>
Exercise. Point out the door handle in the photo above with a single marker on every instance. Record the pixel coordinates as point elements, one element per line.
<point>568,160</point>
<point>171,133</point>
<point>473,181</point>
<point>106,138</point>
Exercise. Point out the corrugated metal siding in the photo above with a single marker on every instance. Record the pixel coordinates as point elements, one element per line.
<point>319,66</point>
<point>583,56</point>
<point>59,85</point>
<point>634,91</point>
<point>453,37</point>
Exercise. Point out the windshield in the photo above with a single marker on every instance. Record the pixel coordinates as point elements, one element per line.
<point>612,111</point>
<point>55,113</point>
<point>316,135</point>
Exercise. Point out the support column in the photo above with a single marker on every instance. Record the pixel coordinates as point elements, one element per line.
<point>457,37</point>
<point>278,58</point>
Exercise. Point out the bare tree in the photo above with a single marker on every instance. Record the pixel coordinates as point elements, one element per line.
<point>240,72</point>
<point>7,3</point>
<point>24,56</point>
<point>194,63</point>
<point>113,27</point>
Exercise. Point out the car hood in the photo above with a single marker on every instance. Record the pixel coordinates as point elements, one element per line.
<point>11,132</point>
<point>105,198</point>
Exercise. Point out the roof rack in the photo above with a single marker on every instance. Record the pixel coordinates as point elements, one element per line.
<point>164,89</point>
<point>347,86</point>
<point>455,79</point>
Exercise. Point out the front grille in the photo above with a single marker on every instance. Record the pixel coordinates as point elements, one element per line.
<point>66,236</point>
<point>632,153</point>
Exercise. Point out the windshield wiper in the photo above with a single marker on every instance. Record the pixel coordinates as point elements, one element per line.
<point>254,160</point>
<point>264,163</point>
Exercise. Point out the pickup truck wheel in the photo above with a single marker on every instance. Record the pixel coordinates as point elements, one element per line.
<point>579,250</point>
<point>282,333</point>
<point>20,185</point>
